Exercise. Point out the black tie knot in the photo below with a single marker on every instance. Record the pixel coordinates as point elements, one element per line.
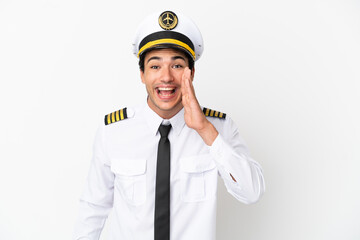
<point>164,130</point>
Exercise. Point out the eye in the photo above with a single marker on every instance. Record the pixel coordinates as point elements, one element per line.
<point>177,66</point>
<point>154,67</point>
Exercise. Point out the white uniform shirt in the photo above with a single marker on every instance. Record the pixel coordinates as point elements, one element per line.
<point>122,177</point>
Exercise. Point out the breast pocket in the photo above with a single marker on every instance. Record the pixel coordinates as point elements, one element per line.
<point>130,179</point>
<point>198,178</point>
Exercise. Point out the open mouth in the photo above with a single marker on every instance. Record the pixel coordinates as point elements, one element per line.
<point>166,92</point>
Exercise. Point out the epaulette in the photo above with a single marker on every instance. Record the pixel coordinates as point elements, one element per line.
<point>212,113</point>
<point>116,116</point>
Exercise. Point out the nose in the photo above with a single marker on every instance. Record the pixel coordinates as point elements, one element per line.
<point>167,75</point>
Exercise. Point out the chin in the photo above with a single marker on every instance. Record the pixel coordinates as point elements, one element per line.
<point>168,109</point>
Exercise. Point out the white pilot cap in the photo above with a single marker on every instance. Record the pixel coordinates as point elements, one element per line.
<point>168,30</point>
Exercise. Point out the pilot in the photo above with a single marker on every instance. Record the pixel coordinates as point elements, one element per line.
<point>156,166</point>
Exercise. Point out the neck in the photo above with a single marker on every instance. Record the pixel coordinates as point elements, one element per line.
<point>164,113</point>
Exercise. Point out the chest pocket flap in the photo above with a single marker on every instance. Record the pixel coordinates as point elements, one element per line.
<point>198,163</point>
<point>128,167</point>
<point>130,180</point>
<point>198,178</point>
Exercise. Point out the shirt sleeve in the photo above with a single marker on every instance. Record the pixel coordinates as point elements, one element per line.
<point>97,198</point>
<point>242,175</point>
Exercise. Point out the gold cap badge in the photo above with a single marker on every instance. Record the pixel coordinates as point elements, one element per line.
<point>168,20</point>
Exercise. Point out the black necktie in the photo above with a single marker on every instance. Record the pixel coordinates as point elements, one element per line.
<point>162,191</point>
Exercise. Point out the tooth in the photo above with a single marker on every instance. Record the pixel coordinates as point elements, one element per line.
<point>166,89</point>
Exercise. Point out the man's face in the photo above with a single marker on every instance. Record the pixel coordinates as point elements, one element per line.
<point>163,71</point>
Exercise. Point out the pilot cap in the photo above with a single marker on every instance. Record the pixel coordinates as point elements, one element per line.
<point>168,30</point>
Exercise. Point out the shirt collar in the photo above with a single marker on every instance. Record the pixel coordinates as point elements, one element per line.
<point>178,122</point>
<point>153,120</point>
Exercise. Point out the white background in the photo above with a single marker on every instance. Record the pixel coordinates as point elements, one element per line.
<point>286,71</point>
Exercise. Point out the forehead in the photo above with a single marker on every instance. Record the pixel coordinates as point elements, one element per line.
<point>165,53</point>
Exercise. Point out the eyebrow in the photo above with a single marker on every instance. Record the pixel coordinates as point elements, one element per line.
<point>153,58</point>
<point>158,58</point>
<point>177,57</point>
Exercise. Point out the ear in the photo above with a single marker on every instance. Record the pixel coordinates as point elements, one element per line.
<point>192,74</point>
<point>142,76</point>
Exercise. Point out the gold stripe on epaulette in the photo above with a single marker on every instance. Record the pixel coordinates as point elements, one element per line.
<point>115,116</point>
<point>122,114</point>
<point>207,112</point>
<point>107,119</point>
<point>212,113</point>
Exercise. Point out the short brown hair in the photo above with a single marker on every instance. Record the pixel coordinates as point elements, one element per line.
<point>142,60</point>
